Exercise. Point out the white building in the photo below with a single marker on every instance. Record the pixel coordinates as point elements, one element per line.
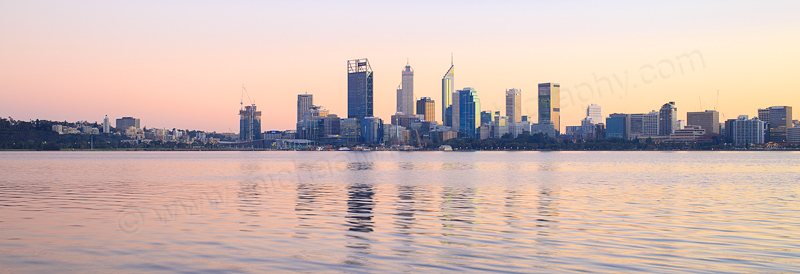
<point>748,131</point>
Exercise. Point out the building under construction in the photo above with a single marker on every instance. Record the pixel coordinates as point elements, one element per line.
<point>249,123</point>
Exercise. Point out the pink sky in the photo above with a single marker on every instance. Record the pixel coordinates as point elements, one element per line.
<point>181,64</point>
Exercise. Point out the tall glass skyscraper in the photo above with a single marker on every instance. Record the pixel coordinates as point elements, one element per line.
<point>405,93</point>
<point>359,89</point>
<point>448,88</point>
<point>514,105</point>
<point>550,104</point>
<point>779,120</point>
<point>469,112</point>
<point>667,119</point>
<point>304,103</point>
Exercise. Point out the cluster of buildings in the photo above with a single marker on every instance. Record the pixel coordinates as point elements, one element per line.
<point>415,121</point>
<point>131,127</point>
<point>773,125</point>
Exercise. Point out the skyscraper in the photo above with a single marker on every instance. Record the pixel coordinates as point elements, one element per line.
<point>106,125</point>
<point>469,112</point>
<point>550,104</point>
<point>708,120</point>
<point>514,105</point>
<point>594,114</point>
<point>667,119</point>
<point>304,103</point>
<point>249,123</point>
<point>618,126</point>
<point>405,93</point>
<point>426,106</point>
<point>780,119</point>
<point>448,88</point>
<point>359,89</point>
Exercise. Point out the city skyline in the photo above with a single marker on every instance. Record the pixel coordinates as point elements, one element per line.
<point>182,68</point>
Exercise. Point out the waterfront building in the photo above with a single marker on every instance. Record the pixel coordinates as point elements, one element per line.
<point>594,113</point>
<point>304,103</point>
<point>331,125</point>
<point>708,120</point>
<point>427,108</point>
<point>448,90</point>
<point>548,128</point>
<point>618,126</point>
<point>405,120</point>
<point>514,105</point>
<point>667,119</point>
<point>350,130</point>
<point>249,123</point>
<point>793,134</point>
<point>372,130</point>
<point>405,92</point>
<point>469,112</point>
<point>106,125</point>
<point>126,122</point>
<point>359,89</point>
<point>550,104</point>
<point>637,125</point>
<point>748,131</point>
<point>486,116</point>
<point>778,119</point>
<point>650,123</point>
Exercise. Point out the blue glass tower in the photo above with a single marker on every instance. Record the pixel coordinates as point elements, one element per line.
<point>359,89</point>
<point>469,113</point>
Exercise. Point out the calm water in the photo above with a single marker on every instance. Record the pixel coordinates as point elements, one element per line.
<point>253,212</point>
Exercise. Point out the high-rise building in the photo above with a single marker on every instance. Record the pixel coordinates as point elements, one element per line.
<point>448,89</point>
<point>637,125</point>
<point>106,125</point>
<point>667,119</point>
<point>359,89</point>
<point>514,105</point>
<point>405,93</point>
<point>793,134</point>
<point>249,123</point>
<point>427,107</point>
<point>372,130</point>
<point>779,119</point>
<point>469,112</point>
<point>650,124</point>
<point>126,122</point>
<point>550,104</point>
<point>618,126</point>
<point>486,116</point>
<point>708,120</point>
<point>304,103</point>
<point>594,114</point>
<point>748,131</point>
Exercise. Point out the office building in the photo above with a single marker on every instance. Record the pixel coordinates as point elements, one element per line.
<point>350,130</point>
<point>249,123</point>
<point>331,125</point>
<point>405,92</point>
<point>427,107</point>
<point>618,126</point>
<point>448,89</point>
<point>778,119</point>
<point>637,125</point>
<point>304,103</point>
<point>650,124</point>
<point>550,104</point>
<point>793,134</point>
<point>469,113</point>
<point>594,114</point>
<point>372,130</point>
<point>667,119</point>
<point>405,120</point>
<point>127,122</point>
<point>359,89</point>
<point>106,125</point>
<point>708,120</point>
<point>514,105</point>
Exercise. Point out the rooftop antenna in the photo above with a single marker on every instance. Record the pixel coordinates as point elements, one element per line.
<point>451,59</point>
<point>407,61</point>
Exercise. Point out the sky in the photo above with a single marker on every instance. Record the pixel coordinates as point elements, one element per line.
<point>182,64</point>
